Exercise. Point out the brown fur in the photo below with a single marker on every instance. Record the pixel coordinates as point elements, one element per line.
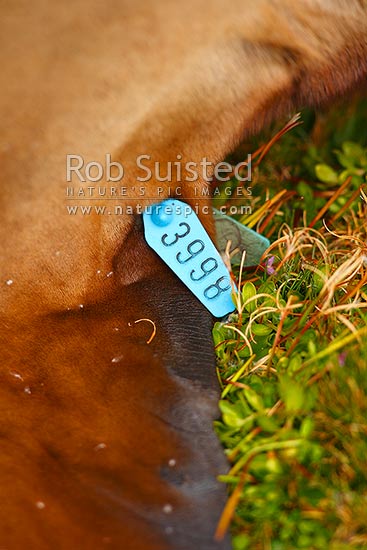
<point>150,77</point>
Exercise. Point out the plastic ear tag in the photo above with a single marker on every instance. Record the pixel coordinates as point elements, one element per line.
<point>176,234</point>
<point>241,237</point>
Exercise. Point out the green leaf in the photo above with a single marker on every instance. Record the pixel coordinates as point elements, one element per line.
<point>292,393</point>
<point>295,363</point>
<point>241,542</point>
<point>234,415</point>
<point>218,335</point>
<point>344,160</point>
<point>305,191</point>
<point>326,174</point>
<point>268,423</point>
<point>307,427</point>
<point>248,292</point>
<point>254,399</point>
<point>274,466</point>
<point>352,150</point>
<point>260,330</point>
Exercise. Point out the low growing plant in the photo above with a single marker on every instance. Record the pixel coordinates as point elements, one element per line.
<point>292,361</point>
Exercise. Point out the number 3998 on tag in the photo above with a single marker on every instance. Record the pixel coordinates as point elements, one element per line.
<point>176,234</point>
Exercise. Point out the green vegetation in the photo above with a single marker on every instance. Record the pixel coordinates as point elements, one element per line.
<point>293,358</point>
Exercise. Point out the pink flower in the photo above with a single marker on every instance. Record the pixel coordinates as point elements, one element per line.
<point>269,265</point>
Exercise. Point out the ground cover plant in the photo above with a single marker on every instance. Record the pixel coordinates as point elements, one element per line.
<point>292,360</point>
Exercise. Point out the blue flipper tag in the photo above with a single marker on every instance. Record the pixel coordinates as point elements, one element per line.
<point>176,234</point>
